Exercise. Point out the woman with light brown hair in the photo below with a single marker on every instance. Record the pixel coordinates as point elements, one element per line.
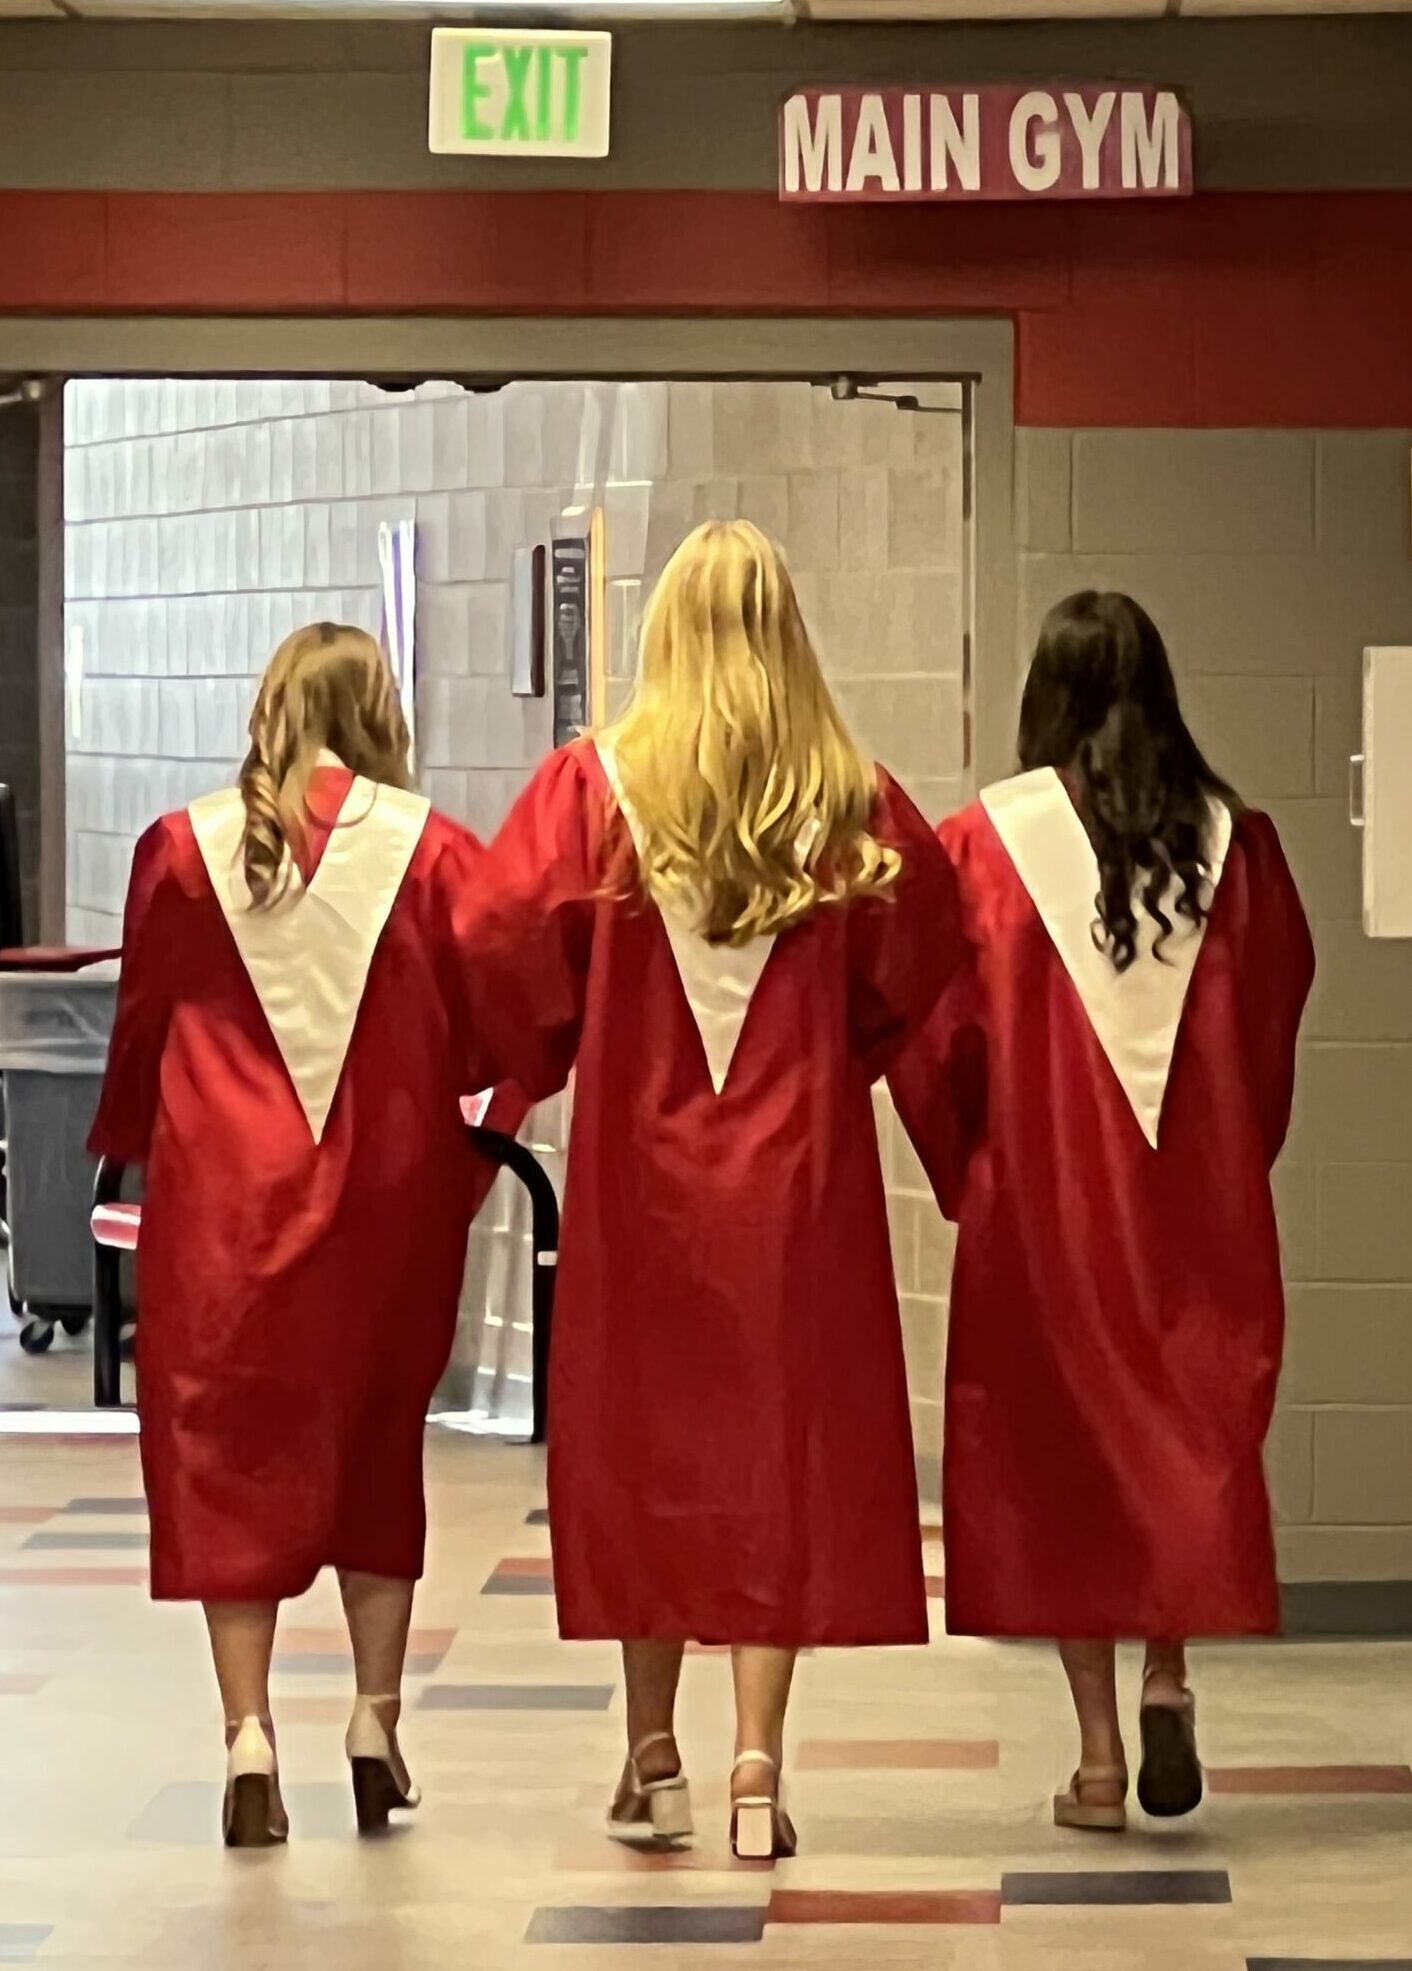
<point>725,920</point>
<point>284,1068</point>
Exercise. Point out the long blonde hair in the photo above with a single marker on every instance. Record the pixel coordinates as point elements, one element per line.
<point>751,804</point>
<point>327,687</point>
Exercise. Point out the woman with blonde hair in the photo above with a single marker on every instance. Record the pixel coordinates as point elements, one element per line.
<point>283,1067</point>
<point>725,921</point>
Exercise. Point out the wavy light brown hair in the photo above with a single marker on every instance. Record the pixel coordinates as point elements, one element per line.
<point>752,803</point>
<point>327,688</point>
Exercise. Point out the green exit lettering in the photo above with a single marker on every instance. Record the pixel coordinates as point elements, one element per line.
<point>527,113</point>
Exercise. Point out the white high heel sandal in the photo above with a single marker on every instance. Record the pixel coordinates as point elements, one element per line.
<point>381,1783</point>
<point>650,1810</point>
<point>252,1815</point>
<point>761,1830</point>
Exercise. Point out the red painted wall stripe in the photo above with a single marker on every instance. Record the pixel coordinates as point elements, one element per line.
<point>1277,309</point>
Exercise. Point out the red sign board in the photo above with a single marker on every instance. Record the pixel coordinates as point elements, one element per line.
<point>1061,140</point>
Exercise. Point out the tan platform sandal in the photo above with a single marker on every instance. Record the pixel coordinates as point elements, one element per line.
<point>1169,1782</point>
<point>761,1830</point>
<point>252,1813</point>
<point>645,1811</point>
<point>1092,1817</point>
<point>382,1786</point>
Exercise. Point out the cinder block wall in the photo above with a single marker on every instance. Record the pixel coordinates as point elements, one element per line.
<point>207,519</point>
<point>1269,559</point>
<point>19,638</point>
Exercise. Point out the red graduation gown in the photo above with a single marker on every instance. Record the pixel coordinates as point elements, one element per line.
<point>730,1454</point>
<point>1117,1311</point>
<point>307,1198</point>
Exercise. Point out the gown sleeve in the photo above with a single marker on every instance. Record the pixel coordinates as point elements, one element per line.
<point>904,946</point>
<point>522,925</point>
<point>1277,976</point>
<point>127,1107</point>
<point>938,1083</point>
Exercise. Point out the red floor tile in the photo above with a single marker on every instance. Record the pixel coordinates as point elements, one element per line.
<point>334,1642</point>
<point>921,1906</point>
<point>527,1567</point>
<point>821,1755</point>
<point>13,1685</point>
<point>1310,1779</point>
<point>936,1587</point>
<point>26,1515</point>
<point>73,1577</point>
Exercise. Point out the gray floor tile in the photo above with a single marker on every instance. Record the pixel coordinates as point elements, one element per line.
<point>319,1663</point>
<point>188,1813</point>
<point>517,1584</point>
<point>20,1941</point>
<point>1121,1887</point>
<point>87,1543</point>
<point>516,1697</point>
<point>107,1508</point>
<point>539,1517</point>
<point>682,1925</point>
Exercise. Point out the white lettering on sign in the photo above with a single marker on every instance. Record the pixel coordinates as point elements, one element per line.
<point>1150,144</point>
<point>813,145</point>
<point>1006,142</point>
<point>520,93</point>
<point>1036,157</point>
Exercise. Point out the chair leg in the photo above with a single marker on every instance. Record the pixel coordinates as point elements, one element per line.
<point>107,1329</point>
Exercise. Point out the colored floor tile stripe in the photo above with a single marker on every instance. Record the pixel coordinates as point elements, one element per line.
<point>107,1508</point>
<point>516,1697</point>
<point>526,1567</point>
<point>1310,1779</point>
<point>518,1584</point>
<point>92,1543</point>
<point>919,1906</point>
<point>538,1517</point>
<point>297,1641</point>
<point>695,1925</point>
<point>824,1755</point>
<point>26,1515</point>
<point>20,1942</point>
<point>339,1663</point>
<point>1123,1888</point>
<point>14,1684</point>
<point>73,1577</point>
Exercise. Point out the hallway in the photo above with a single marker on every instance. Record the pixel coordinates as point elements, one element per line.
<point>919,1782</point>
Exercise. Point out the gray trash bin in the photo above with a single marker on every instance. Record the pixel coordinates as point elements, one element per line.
<point>54,1030</point>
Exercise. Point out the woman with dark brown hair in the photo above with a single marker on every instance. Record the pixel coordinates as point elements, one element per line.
<point>1098,1106</point>
<point>285,1068</point>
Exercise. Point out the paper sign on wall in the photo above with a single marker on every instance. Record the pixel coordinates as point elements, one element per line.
<point>1064,141</point>
<point>520,92</point>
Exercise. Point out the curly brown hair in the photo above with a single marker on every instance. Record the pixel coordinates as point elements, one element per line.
<point>327,688</point>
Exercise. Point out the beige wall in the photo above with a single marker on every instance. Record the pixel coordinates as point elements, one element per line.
<point>1269,559</point>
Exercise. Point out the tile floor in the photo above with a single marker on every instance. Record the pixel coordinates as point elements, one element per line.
<point>919,1783</point>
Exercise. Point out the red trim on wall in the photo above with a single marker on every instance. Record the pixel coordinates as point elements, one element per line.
<point>1276,309</point>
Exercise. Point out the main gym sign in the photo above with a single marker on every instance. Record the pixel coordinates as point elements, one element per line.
<point>520,92</point>
<point>1067,140</point>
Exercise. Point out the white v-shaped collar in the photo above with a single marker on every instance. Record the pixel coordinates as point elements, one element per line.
<point>718,980</point>
<point>1135,1015</point>
<point>308,957</point>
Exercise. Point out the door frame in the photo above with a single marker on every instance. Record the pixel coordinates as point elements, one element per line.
<point>492,350</point>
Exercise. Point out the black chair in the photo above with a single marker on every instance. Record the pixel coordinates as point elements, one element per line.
<point>115,1231</point>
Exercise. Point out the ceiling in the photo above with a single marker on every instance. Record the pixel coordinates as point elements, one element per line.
<point>540,11</point>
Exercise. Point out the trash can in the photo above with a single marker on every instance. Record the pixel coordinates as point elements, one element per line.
<point>54,1031</point>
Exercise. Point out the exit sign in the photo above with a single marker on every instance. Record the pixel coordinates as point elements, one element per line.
<point>520,93</point>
